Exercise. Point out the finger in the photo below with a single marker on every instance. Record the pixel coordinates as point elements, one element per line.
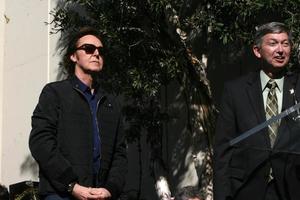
<point>95,192</point>
<point>92,196</point>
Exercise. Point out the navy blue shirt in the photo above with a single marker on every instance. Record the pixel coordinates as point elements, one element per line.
<point>92,99</point>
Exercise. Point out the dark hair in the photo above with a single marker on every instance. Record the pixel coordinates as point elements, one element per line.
<point>188,192</point>
<point>272,27</point>
<point>4,195</point>
<point>72,40</point>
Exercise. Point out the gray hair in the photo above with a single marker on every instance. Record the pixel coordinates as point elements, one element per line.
<point>272,27</point>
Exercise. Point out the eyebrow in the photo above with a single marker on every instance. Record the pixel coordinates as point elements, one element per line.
<point>276,40</point>
<point>89,44</point>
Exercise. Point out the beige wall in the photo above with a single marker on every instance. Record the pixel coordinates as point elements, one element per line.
<point>27,61</point>
<point>2,22</point>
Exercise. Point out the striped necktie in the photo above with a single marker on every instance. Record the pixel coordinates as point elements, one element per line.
<point>272,110</point>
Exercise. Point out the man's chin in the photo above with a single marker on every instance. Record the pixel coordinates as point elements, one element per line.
<point>279,65</point>
<point>276,71</point>
<point>95,70</point>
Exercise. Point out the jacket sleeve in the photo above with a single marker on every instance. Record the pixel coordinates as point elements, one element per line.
<point>117,172</point>
<point>43,142</point>
<point>225,131</point>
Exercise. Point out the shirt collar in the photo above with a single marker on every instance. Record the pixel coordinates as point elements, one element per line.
<point>264,78</point>
<point>81,86</point>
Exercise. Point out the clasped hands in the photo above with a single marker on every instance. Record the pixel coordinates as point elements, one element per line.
<point>87,193</point>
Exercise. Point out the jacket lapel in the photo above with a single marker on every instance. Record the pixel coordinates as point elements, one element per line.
<point>288,101</point>
<point>255,95</point>
<point>288,98</point>
<point>256,98</point>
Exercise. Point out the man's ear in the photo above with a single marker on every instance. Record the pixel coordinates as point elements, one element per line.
<point>73,57</point>
<point>256,51</point>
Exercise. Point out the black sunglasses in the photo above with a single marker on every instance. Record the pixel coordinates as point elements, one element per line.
<point>90,49</point>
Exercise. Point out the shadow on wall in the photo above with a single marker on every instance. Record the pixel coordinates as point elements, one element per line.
<point>181,145</point>
<point>30,166</point>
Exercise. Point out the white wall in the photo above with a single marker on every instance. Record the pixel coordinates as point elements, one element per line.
<point>27,62</point>
<point>2,22</point>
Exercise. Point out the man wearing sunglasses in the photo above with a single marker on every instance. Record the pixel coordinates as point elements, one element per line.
<point>77,137</point>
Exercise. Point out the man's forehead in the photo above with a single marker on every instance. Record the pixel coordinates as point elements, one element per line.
<point>276,36</point>
<point>89,39</point>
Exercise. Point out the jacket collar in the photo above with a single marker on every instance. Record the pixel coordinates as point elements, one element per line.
<point>100,92</point>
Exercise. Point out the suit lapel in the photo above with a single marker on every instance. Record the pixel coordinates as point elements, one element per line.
<point>288,101</point>
<point>289,83</point>
<point>255,95</point>
<point>254,91</point>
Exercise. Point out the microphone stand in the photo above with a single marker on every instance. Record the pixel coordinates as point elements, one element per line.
<point>265,124</point>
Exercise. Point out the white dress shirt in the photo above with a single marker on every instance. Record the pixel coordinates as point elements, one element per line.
<point>279,89</point>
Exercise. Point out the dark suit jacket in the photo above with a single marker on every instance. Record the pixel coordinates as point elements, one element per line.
<point>61,139</point>
<point>241,172</point>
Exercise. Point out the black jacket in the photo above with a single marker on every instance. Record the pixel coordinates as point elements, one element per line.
<point>241,172</point>
<point>61,139</point>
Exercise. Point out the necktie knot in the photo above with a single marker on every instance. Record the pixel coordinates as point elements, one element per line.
<point>271,84</point>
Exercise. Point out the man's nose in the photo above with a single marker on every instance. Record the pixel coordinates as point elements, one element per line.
<point>96,53</point>
<point>279,48</point>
